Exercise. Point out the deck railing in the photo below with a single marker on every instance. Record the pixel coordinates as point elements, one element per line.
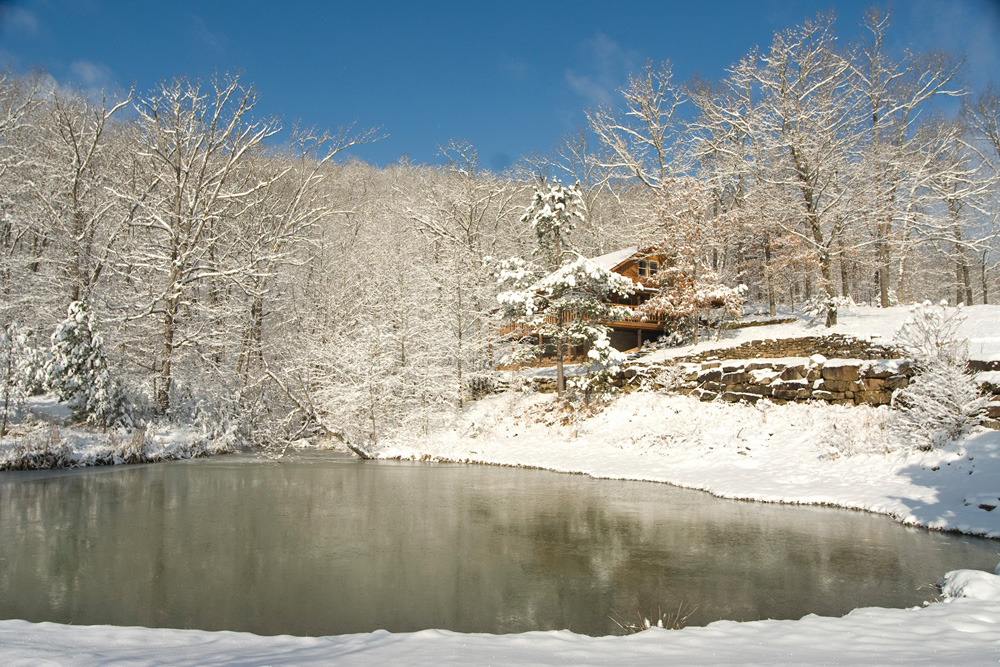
<point>631,315</point>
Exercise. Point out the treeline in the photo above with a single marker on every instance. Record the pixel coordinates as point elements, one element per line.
<point>280,292</point>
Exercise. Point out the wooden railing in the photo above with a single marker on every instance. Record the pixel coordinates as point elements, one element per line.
<point>632,316</point>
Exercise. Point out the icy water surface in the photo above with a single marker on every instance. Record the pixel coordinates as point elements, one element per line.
<point>322,544</point>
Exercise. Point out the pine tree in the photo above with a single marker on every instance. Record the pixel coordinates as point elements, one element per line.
<point>566,306</point>
<point>18,365</point>
<point>77,370</point>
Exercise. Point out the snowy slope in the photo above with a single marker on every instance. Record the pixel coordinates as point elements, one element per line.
<point>793,453</point>
<point>981,327</point>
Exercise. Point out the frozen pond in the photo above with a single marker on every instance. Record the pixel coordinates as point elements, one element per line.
<point>320,544</point>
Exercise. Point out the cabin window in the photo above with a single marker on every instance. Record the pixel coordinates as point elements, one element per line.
<point>643,268</point>
<point>654,267</point>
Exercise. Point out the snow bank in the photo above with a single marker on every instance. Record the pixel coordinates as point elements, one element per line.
<point>45,439</point>
<point>963,630</point>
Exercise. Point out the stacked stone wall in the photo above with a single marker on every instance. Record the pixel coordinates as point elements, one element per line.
<point>834,346</point>
<point>836,369</point>
<point>780,380</point>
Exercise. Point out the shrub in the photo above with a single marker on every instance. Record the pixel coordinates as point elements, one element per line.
<point>943,400</point>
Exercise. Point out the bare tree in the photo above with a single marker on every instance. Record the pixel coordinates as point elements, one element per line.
<point>73,181</point>
<point>193,142</point>
<point>640,142</point>
<point>894,91</point>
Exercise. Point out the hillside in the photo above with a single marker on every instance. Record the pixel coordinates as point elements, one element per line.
<point>849,456</point>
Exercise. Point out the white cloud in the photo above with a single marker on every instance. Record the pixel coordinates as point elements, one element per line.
<point>213,40</point>
<point>90,74</point>
<point>605,66</point>
<point>595,92</point>
<point>17,20</point>
<point>94,79</point>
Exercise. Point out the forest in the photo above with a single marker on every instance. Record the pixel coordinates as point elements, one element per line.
<point>246,277</point>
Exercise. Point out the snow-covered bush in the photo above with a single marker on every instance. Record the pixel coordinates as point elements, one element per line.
<point>854,430</point>
<point>77,370</point>
<point>941,403</point>
<point>943,400</point>
<point>931,332</point>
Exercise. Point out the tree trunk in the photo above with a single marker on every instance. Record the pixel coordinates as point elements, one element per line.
<point>982,271</point>
<point>772,307</point>
<point>882,257</point>
<point>560,376</point>
<point>165,379</point>
<point>845,287</point>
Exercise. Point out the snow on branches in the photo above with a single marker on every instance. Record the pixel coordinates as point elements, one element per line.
<point>19,371</point>
<point>553,214</point>
<point>561,300</point>
<point>690,221</point>
<point>78,371</point>
<point>943,401</point>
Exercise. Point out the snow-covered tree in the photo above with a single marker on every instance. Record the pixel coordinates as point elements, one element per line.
<point>461,213</point>
<point>566,306</point>
<point>943,400</point>
<point>691,228</point>
<point>893,92</point>
<point>190,184</point>
<point>77,370</point>
<point>640,141</point>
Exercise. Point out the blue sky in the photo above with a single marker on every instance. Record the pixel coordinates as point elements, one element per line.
<point>509,77</point>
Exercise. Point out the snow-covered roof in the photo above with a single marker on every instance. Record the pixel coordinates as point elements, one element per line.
<point>613,259</point>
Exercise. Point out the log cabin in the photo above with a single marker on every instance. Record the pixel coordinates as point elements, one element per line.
<point>640,266</point>
<point>634,329</point>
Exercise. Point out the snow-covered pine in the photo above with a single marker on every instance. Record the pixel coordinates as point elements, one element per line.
<point>553,214</point>
<point>566,308</point>
<point>562,300</point>
<point>77,370</point>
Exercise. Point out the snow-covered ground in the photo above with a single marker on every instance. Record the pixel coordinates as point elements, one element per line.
<point>981,327</point>
<point>44,437</point>
<point>792,453</point>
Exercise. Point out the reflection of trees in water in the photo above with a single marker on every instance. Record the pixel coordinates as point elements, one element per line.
<point>309,548</point>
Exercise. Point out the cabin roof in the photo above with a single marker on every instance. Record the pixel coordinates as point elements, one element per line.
<point>614,259</point>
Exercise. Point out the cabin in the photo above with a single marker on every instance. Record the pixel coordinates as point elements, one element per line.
<point>639,266</point>
<point>634,329</point>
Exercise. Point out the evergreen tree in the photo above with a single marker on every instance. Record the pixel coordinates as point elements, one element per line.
<point>19,365</point>
<point>943,400</point>
<point>77,370</point>
<point>567,305</point>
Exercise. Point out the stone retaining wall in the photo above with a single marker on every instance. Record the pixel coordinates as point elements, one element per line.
<point>839,381</point>
<point>833,346</point>
<point>836,368</point>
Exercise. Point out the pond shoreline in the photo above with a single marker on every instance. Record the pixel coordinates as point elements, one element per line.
<point>713,493</point>
<point>772,454</point>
